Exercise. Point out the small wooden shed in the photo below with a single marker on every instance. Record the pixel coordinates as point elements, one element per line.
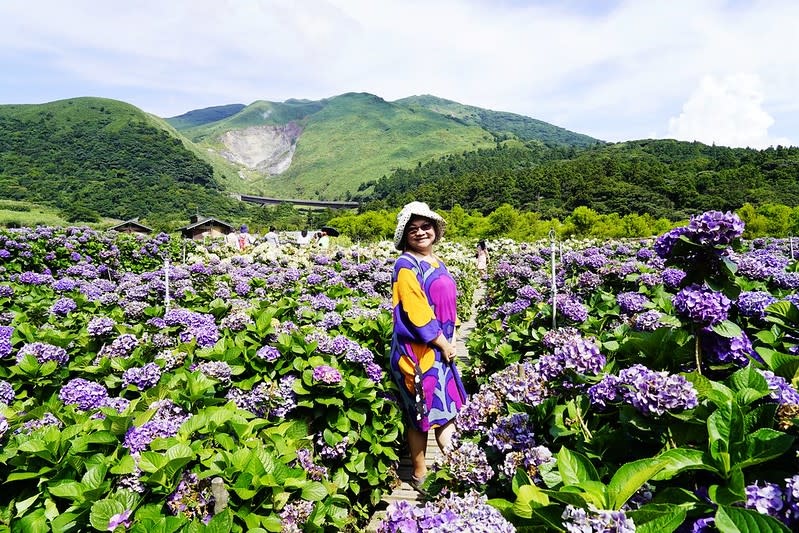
<point>200,227</point>
<point>132,226</point>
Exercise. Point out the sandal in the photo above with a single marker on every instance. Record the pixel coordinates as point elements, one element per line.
<point>417,483</point>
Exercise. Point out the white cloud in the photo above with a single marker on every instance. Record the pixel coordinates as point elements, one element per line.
<point>726,111</point>
<point>616,72</point>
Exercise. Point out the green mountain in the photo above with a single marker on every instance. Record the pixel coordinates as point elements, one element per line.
<point>329,148</point>
<point>665,178</point>
<point>499,123</point>
<point>94,156</point>
<point>198,117</point>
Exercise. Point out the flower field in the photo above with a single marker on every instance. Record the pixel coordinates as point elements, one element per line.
<point>161,385</point>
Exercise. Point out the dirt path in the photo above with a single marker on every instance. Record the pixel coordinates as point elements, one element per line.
<point>405,491</point>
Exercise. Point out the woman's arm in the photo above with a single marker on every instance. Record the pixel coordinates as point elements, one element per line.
<point>446,347</point>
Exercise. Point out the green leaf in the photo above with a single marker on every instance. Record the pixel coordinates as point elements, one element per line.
<point>763,445</point>
<point>629,478</point>
<point>678,460</point>
<point>725,429</point>
<point>737,520</point>
<point>102,511</point>
<point>529,497</point>
<point>313,491</point>
<point>748,378</point>
<point>575,467</point>
<point>727,329</point>
<point>657,518</point>
<point>71,490</point>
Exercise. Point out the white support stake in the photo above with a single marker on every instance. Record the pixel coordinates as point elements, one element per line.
<point>790,239</point>
<point>166,283</point>
<point>553,250</point>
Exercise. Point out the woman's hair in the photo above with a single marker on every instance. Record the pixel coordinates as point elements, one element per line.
<point>481,245</point>
<point>404,241</point>
<point>304,233</point>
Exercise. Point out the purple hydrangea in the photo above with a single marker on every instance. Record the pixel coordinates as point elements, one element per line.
<point>326,374</point>
<point>5,340</point>
<point>84,394</point>
<point>218,370</point>
<point>100,325</point>
<point>120,519</point>
<point>313,470</point>
<point>715,228</point>
<point>143,377</point>
<point>655,393</point>
<point>753,304</point>
<point>164,423</point>
<point>512,432</point>
<point>672,277</point>
<point>469,513</point>
<point>781,389</point>
<point>721,349</point>
<point>467,463</point>
<point>7,394</point>
<point>665,243</point>
<point>702,305</point>
<point>63,307</point>
<point>581,355</point>
<point>269,353</point>
<point>294,515</point>
<point>593,520</point>
<point>632,302</point>
<point>571,308</point>
<point>43,352</point>
<point>648,320</point>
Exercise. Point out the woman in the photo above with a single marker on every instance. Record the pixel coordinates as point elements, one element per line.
<point>422,352</point>
<point>482,258</point>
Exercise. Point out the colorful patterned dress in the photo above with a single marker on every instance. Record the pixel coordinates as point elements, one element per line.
<point>424,300</point>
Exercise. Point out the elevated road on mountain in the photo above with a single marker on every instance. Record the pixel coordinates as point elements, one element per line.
<point>303,203</point>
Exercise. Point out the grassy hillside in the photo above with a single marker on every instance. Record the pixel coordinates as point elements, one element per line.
<point>346,141</point>
<point>102,156</point>
<point>499,122</point>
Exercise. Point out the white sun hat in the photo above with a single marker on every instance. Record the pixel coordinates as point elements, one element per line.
<point>419,209</point>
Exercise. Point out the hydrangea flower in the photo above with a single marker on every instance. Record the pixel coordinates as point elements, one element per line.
<point>100,325</point>
<point>326,374</point>
<point>295,514</point>
<point>467,463</point>
<point>43,352</point>
<point>192,498</point>
<point>86,395</point>
<point>469,513</point>
<point>632,302</point>
<point>702,305</point>
<point>593,520</point>
<point>6,392</point>
<point>143,377</point>
<point>5,340</point>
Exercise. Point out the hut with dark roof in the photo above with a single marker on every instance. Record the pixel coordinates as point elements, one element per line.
<point>200,227</point>
<point>132,226</point>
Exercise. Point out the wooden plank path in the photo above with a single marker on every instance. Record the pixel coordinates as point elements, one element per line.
<point>405,491</point>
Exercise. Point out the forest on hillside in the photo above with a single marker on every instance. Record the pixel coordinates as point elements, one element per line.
<point>662,178</point>
<point>100,165</point>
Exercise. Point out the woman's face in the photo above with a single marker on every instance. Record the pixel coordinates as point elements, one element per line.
<point>420,233</point>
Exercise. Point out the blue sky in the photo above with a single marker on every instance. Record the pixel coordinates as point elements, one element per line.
<point>708,70</point>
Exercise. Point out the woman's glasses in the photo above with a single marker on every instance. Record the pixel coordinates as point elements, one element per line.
<point>425,226</point>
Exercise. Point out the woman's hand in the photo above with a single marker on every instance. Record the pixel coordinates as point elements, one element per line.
<point>446,347</point>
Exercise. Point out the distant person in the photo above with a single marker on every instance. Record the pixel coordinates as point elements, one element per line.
<point>244,238</point>
<point>482,258</point>
<point>304,239</point>
<point>324,240</point>
<point>272,238</point>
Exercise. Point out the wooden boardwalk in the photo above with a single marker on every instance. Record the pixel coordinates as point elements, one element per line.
<point>405,492</point>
